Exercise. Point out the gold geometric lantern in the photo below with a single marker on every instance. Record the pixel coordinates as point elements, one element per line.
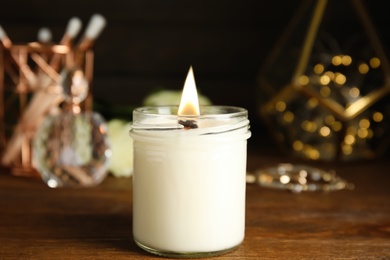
<point>324,89</point>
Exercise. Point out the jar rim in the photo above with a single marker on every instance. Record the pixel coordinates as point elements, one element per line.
<point>213,119</point>
<point>211,111</point>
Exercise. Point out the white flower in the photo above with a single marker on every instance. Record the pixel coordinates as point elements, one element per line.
<point>121,164</point>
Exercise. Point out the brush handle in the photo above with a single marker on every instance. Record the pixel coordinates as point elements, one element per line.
<point>95,27</point>
<point>7,43</point>
<point>72,29</point>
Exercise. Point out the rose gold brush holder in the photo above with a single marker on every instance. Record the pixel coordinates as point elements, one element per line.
<point>30,90</point>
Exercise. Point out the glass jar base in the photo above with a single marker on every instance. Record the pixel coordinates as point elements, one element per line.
<point>184,254</point>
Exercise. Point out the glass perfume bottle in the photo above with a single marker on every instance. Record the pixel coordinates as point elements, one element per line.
<point>71,148</point>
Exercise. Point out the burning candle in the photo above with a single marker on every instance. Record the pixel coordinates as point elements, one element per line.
<point>189,177</point>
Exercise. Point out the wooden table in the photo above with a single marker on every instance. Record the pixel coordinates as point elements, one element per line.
<point>37,222</point>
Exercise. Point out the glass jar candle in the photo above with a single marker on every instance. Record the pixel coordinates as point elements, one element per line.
<point>189,180</point>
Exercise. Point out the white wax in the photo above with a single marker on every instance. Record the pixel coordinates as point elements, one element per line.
<point>189,191</point>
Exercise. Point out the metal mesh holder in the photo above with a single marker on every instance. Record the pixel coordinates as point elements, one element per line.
<point>30,89</point>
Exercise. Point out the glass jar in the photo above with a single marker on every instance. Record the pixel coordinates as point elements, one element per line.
<point>189,180</point>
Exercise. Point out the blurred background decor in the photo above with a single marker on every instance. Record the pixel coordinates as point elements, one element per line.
<point>148,45</point>
<point>35,79</point>
<point>324,89</point>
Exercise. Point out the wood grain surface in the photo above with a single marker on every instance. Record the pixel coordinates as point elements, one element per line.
<point>37,222</point>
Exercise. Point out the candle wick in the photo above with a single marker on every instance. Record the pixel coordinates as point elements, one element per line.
<point>188,124</point>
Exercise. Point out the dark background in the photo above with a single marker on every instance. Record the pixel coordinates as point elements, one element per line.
<point>150,44</point>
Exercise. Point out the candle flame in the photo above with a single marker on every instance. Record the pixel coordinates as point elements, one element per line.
<point>189,103</point>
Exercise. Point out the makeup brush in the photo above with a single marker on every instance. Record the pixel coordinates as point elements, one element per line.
<point>44,38</point>
<point>44,35</point>
<point>72,29</point>
<point>95,26</point>
<point>83,54</point>
<point>44,100</point>
<point>7,43</point>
